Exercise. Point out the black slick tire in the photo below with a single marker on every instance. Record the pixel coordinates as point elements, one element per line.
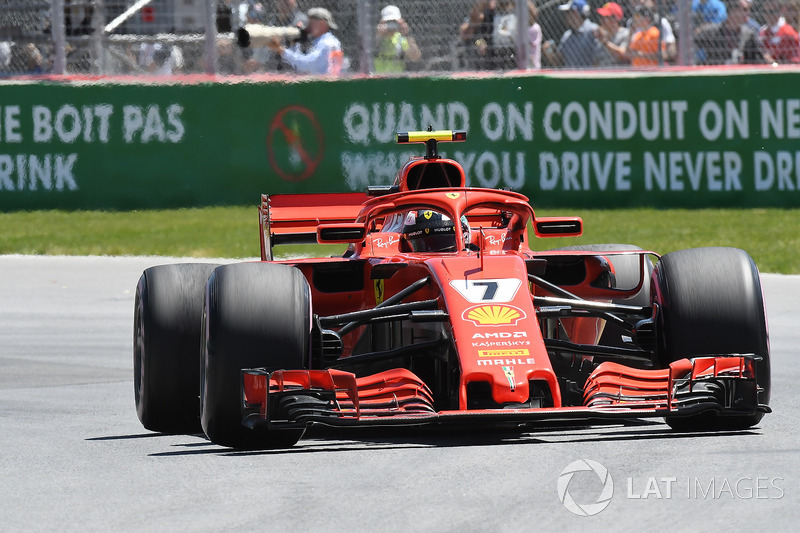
<point>710,302</point>
<point>168,312</point>
<point>256,315</point>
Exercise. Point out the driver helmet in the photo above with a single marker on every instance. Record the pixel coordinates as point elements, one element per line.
<point>426,230</point>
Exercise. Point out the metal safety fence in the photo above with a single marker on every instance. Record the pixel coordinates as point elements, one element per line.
<point>164,37</point>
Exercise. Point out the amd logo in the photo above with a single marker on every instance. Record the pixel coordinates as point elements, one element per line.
<point>502,335</point>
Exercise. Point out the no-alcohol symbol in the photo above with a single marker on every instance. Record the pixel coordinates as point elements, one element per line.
<point>295,143</point>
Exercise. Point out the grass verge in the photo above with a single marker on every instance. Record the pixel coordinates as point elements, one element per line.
<point>771,236</point>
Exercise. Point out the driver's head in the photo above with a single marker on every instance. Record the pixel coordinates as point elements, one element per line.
<point>430,231</point>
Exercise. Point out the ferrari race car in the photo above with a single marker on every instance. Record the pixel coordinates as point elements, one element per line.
<point>440,313</point>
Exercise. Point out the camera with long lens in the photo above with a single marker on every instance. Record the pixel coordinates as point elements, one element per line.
<point>258,34</point>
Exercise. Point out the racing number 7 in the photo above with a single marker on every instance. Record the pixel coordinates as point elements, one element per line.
<point>491,289</point>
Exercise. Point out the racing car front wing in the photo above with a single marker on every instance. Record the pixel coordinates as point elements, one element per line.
<point>287,399</point>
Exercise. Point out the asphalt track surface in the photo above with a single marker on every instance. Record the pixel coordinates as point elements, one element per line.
<point>75,458</point>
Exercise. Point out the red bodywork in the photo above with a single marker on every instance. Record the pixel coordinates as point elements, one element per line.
<point>399,397</point>
<point>494,327</point>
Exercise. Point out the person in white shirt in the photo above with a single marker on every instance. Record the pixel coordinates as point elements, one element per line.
<point>160,59</point>
<point>534,38</point>
<point>325,54</point>
<point>5,54</point>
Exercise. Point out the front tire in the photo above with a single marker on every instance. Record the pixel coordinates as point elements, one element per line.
<point>255,315</point>
<point>168,313</point>
<point>710,302</point>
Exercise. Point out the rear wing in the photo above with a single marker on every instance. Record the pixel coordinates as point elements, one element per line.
<point>293,218</point>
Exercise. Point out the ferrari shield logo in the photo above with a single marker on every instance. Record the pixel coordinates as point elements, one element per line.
<point>452,195</point>
<point>379,291</point>
<point>509,372</point>
<point>427,214</point>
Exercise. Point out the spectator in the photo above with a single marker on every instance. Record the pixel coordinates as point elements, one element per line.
<point>669,43</point>
<point>5,55</point>
<point>504,36</point>
<point>534,38</point>
<point>34,60</point>
<point>643,50</point>
<point>324,56</point>
<point>734,41</point>
<point>160,59</point>
<point>707,15</point>
<point>238,13</point>
<point>395,47</point>
<point>489,36</point>
<point>224,17</point>
<point>752,21</point>
<point>578,47</point>
<point>476,35</point>
<point>708,11</point>
<point>613,36</point>
<point>252,11</point>
<point>78,17</point>
<point>228,58</point>
<point>779,40</point>
<point>287,14</point>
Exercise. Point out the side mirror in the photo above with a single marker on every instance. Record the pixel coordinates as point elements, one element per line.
<point>340,233</point>
<point>558,226</point>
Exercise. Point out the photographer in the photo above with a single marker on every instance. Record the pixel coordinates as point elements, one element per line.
<point>396,48</point>
<point>287,23</point>
<point>325,53</point>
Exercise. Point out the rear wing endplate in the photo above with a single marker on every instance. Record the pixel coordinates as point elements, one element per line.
<point>293,218</point>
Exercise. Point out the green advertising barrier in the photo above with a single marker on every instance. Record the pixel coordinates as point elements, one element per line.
<point>688,140</point>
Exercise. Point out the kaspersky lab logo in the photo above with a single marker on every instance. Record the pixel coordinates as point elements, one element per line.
<point>565,482</point>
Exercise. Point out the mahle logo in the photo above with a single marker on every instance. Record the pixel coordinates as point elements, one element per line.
<point>565,480</point>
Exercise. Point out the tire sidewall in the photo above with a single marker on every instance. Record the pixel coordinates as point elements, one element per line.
<point>256,315</point>
<point>167,317</point>
<point>710,302</point>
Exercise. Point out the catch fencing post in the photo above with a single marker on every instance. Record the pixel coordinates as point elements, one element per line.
<point>98,54</point>
<point>521,12</point>
<point>210,44</point>
<point>59,37</point>
<point>685,33</point>
<point>366,31</point>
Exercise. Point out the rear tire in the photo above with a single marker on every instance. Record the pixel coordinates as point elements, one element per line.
<point>710,302</point>
<point>168,313</point>
<point>255,315</point>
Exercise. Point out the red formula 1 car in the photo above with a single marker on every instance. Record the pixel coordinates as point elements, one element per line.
<point>439,313</point>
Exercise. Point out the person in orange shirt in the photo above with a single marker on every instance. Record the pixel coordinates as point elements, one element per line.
<point>643,50</point>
